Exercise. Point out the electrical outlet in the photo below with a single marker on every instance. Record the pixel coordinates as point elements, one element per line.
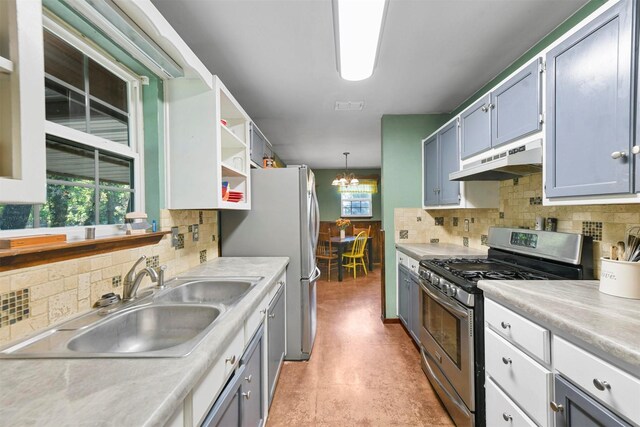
<point>466,225</point>
<point>174,237</point>
<point>196,232</point>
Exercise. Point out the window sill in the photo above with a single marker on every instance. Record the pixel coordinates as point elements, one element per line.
<point>11,259</point>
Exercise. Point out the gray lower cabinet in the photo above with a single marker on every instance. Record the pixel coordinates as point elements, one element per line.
<point>440,159</point>
<point>414,310</point>
<point>516,105</point>
<point>241,401</point>
<point>403,294</point>
<point>589,107</point>
<point>577,409</point>
<point>276,340</point>
<point>475,128</point>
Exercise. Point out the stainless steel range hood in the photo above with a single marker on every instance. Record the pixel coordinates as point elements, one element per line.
<point>508,164</point>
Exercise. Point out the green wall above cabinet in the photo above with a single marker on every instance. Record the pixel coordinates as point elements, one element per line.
<point>329,197</point>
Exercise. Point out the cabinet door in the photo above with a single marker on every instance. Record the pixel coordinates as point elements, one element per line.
<point>589,96</point>
<point>257,145</point>
<point>449,191</point>
<point>430,171</point>
<point>475,125</point>
<point>414,315</point>
<point>226,411</point>
<point>403,295</point>
<point>580,410</point>
<point>276,333</point>
<point>251,390</point>
<point>516,106</point>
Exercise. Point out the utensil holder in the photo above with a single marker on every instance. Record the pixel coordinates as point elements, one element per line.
<point>620,278</point>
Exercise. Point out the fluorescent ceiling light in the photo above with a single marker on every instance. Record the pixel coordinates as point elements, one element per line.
<point>357,27</point>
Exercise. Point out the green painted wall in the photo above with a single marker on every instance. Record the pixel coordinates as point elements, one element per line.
<point>401,180</point>
<point>329,198</point>
<point>585,11</point>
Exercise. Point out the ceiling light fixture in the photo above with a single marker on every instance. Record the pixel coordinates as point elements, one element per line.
<point>357,26</point>
<point>346,178</point>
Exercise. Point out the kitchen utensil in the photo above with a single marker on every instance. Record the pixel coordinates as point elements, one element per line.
<point>552,224</point>
<point>620,252</point>
<point>632,237</point>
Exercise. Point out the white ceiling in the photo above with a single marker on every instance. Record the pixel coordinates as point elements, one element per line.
<point>278,59</point>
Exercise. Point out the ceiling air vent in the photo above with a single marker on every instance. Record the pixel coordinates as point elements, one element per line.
<point>349,105</point>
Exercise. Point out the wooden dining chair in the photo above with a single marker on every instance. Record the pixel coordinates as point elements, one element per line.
<point>356,256</point>
<point>325,253</point>
<point>357,231</point>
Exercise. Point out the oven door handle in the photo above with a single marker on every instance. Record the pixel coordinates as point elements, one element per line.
<point>453,308</point>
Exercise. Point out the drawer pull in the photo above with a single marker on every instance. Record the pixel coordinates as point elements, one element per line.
<point>248,379</point>
<point>506,416</point>
<point>601,385</point>
<point>555,407</point>
<point>271,316</point>
<point>505,325</point>
<point>506,360</point>
<point>263,311</point>
<point>247,395</point>
<point>231,359</point>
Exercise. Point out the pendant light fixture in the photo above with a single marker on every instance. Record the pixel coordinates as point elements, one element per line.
<point>345,178</point>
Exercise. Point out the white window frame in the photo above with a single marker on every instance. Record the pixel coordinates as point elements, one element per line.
<point>369,199</point>
<point>134,151</point>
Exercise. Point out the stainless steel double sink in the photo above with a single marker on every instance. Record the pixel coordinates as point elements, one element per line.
<point>169,322</point>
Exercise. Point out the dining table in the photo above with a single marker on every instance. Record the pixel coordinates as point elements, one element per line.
<point>342,243</point>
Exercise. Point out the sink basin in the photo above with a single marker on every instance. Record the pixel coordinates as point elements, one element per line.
<point>209,291</point>
<point>146,329</point>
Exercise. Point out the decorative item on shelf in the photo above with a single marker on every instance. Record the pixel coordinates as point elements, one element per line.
<point>24,241</point>
<point>268,162</point>
<point>89,233</point>
<point>235,196</point>
<point>342,224</point>
<point>346,178</point>
<point>225,190</point>
<point>223,122</point>
<point>136,223</point>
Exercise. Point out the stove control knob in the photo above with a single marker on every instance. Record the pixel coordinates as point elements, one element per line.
<point>452,291</point>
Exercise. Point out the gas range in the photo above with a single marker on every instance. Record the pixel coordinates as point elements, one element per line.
<point>452,307</point>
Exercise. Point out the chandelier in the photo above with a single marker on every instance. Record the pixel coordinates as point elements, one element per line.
<point>345,178</point>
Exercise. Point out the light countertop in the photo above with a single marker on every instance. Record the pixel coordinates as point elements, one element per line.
<point>576,310</point>
<point>424,250</point>
<point>126,392</point>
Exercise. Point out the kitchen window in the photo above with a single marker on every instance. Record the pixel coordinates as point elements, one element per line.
<point>92,123</point>
<point>356,205</point>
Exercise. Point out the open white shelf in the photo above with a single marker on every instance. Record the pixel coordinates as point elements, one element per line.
<point>230,139</point>
<point>228,170</point>
<point>6,65</point>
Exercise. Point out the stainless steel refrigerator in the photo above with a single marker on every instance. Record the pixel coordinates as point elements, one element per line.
<point>283,221</point>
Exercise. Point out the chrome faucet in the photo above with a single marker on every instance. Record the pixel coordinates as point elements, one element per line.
<point>132,280</point>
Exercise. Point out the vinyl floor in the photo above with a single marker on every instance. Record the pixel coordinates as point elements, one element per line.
<point>361,372</point>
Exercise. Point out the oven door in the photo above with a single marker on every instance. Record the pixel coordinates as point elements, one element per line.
<point>446,333</point>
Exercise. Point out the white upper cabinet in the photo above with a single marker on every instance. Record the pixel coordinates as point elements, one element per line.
<point>22,112</point>
<point>208,147</point>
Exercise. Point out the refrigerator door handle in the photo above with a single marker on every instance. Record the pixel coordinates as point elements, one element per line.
<point>316,275</point>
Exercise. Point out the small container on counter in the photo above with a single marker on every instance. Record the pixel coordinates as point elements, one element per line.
<point>620,278</point>
<point>551,224</point>
<point>539,223</point>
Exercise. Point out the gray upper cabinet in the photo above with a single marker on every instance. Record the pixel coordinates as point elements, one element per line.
<point>430,165</point>
<point>516,106</point>
<point>589,107</point>
<point>449,191</point>
<point>475,123</point>
<point>440,159</point>
<point>258,144</point>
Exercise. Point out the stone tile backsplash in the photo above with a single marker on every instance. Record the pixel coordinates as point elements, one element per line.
<point>520,203</point>
<point>54,292</point>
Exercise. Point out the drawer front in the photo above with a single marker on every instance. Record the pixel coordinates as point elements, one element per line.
<point>534,339</point>
<point>413,265</point>
<point>522,378</point>
<point>402,259</point>
<point>501,411</point>
<point>621,392</point>
<point>205,393</point>
<point>253,322</point>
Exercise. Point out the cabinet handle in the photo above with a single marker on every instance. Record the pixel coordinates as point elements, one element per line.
<point>618,155</point>
<point>271,316</point>
<point>635,149</point>
<point>263,311</point>
<point>601,385</point>
<point>231,359</point>
<point>248,379</point>
<point>506,416</point>
<point>505,325</point>
<point>506,360</point>
<point>484,108</point>
<point>247,395</point>
<point>555,407</point>
<point>491,106</point>
<point>281,282</point>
